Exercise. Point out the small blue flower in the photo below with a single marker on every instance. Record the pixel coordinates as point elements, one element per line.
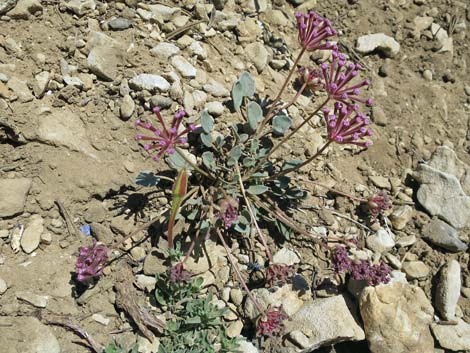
<point>85,229</point>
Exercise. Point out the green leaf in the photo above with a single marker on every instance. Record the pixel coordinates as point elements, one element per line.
<point>147,178</point>
<point>291,164</point>
<point>193,320</point>
<point>206,139</point>
<point>177,162</point>
<point>248,162</point>
<point>234,155</point>
<point>248,84</point>
<point>257,189</point>
<point>281,123</point>
<point>255,114</point>
<point>237,95</point>
<point>207,122</point>
<point>208,160</point>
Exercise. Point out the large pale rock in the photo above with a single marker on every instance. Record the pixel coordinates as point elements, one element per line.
<point>149,82</point>
<point>443,235</point>
<point>445,186</point>
<point>105,55</point>
<point>13,194</point>
<point>80,7</point>
<point>381,242</point>
<point>453,337</point>
<point>26,334</point>
<point>164,50</point>
<point>387,45</point>
<point>323,322</point>
<point>32,234</point>
<point>396,318</point>
<point>183,66</point>
<point>448,290</point>
<point>20,88</point>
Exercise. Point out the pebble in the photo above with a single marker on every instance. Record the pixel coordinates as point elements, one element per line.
<point>95,212</point>
<point>406,240</point>
<point>197,49</point>
<point>46,238</point>
<point>127,107</point>
<point>138,253</point>
<point>183,66</point>
<point>119,24</point>
<point>415,269</point>
<point>73,81</point>
<point>14,193</point>
<point>387,45</point>
<point>161,101</point>
<point>39,301</point>
<point>146,282</point>
<point>216,89</point>
<point>20,88</point>
<point>247,347</point>
<point>214,108</point>
<point>80,7</point>
<point>258,55</point>
<point>380,242</point>
<point>234,329</point>
<point>236,296</point>
<point>103,61</point>
<point>286,257</point>
<point>443,235</point>
<point>427,75</point>
<point>3,286</point>
<point>25,8</point>
<point>380,182</point>
<point>164,50</point>
<point>149,82</point>
<point>153,263</point>
<point>453,337</point>
<point>7,5</point>
<point>379,116</point>
<point>448,290</point>
<point>401,216</point>
<point>32,234</point>
<point>101,319</point>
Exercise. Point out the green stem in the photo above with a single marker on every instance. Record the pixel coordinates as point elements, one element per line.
<point>283,87</point>
<point>303,164</point>
<point>284,140</point>
<point>195,167</point>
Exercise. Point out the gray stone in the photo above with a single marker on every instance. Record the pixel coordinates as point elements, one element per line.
<point>164,50</point>
<point>214,108</point>
<point>149,82</point>
<point>183,66</point>
<point>323,322</point>
<point>448,290</point>
<point>32,234</point>
<point>165,12</point>
<point>105,55</point>
<point>380,181</point>
<point>95,212</point>
<point>401,216</point>
<point>14,192</point>
<point>388,46</point>
<point>25,8</point>
<point>119,24</point>
<point>73,81</point>
<point>443,235</point>
<point>153,263</point>
<point>7,5</point>
<point>380,242</point>
<point>258,55</point>
<point>161,101</point>
<point>102,233</point>
<point>236,296</point>
<point>3,286</point>
<point>286,256</point>
<point>197,49</point>
<point>39,301</point>
<point>37,337</point>
<point>216,88</point>
<point>127,107</point>
<point>453,337</point>
<point>80,7</point>
<point>41,83</point>
<point>199,98</point>
<point>146,283</point>
<point>415,269</point>
<point>20,88</point>
<point>247,347</point>
<point>396,318</point>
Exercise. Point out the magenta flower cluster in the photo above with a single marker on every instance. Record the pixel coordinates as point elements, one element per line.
<point>178,274</point>
<point>271,323</point>
<point>91,261</point>
<point>228,211</point>
<point>378,203</point>
<point>346,125</point>
<point>166,139</point>
<point>373,274</point>
<point>278,274</point>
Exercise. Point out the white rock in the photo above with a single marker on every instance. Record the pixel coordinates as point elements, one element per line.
<point>234,329</point>
<point>150,83</point>
<point>73,81</point>
<point>381,242</point>
<point>146,282</point>
<point>80,7</point>
<point>378,41</point>
<point>286,256</point>
<point>214,108</point>
<point>32,234</point>
<point>164,50</point>
<point>165,12</point>
<point>39,301</point>
<point>127,107</point>
<point>14,192</point>
<point>216,88</point>
<point>101,319</point>
<point>197,49</point>
<point>401,216</point>
<point>415,269</point>
<point>247,347</point>
<point>183,66</point>
<point>453,337</point>
<point>258,55</point>
<point>40,86</point>
<point>324,322</point>
<point>7,5</point>
<point>3,286</point>
<point>448,290</point>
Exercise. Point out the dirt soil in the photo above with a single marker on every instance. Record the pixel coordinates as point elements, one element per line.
<point>78,151</point>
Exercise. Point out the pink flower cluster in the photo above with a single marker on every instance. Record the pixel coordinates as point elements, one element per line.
<point>271,323</point>
<point>378,203</point>
<point>91,261</point>
<point>228,212</point>
<point>338,79</point>
<point>278,274</point>
<point>178,274</point>
<point>166,139</point>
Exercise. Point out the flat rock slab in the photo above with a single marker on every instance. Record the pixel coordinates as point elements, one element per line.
<point>26,335</point>
<point>387,45</point>
<point>396,318</point>
<point>453,337</point>
<point>443,235</point>
<point>13,196</point>
<point>323,322</point>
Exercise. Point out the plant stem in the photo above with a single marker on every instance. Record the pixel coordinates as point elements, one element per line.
<point>239,275</point>
<point>283,87</point>
<point>341,193</point>
<point>303,164</point>
<point>293,100</point>
<point>253,218</point>
<point>199,170</point>
<point>286,138</point>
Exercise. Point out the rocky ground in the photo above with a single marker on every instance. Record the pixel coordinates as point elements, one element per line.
<point>75,74</point>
